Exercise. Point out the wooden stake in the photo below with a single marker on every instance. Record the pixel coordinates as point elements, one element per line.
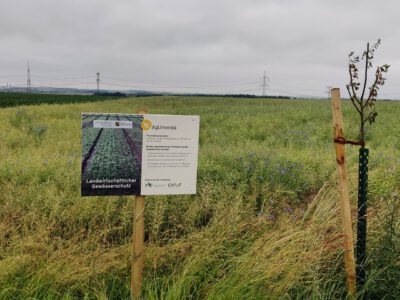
<point>138,243</point>
<point>344,195</point>
<point>138,248</point>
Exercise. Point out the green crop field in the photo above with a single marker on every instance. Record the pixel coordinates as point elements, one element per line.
<point>15,99</point>
<point>265,223</point>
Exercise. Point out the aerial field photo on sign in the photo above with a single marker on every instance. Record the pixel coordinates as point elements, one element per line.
<point>111,154</point>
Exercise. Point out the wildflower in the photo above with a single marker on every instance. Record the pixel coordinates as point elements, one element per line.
<point>283,170</point>
<point>288,209</point>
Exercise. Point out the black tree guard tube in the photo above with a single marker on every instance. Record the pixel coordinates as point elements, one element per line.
<point>362,217</point>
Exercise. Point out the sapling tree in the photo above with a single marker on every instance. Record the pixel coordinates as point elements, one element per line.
<point>364,101</point>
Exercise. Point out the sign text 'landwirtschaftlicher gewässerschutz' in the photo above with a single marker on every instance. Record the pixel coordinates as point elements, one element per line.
<point>124,154</point>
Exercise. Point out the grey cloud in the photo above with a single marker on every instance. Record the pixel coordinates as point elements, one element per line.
<point>303,45</point>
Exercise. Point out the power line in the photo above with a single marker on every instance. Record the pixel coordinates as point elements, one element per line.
<point>40,77</point>
<point>296,87</point>
<point>128,84</point>
<point>295,94</point>
<point>191,86</point>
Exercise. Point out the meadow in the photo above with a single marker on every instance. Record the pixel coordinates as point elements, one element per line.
<point>265,223</point>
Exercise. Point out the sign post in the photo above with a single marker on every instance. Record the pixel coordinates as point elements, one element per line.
<point>340,142</point>
<point>138,242</point>
<point>138,248</point>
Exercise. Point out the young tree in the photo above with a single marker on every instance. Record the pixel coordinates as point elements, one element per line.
<point>364,102</point>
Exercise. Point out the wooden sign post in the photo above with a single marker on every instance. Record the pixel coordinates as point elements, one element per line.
<point>344,193</point>
<point>138,248</point>
<point>138,243</point>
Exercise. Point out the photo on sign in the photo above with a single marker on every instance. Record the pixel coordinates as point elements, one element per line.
<point>111,154</point>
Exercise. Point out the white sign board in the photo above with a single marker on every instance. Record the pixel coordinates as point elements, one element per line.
<point>139,154</point>
<point>170,150</point>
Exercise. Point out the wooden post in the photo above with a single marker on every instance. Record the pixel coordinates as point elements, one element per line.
<point>344,195</point>
<point>138,243</point>
<point>138,248</point>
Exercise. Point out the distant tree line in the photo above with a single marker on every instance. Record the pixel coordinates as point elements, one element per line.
<point>240,96</point>
<point>15,99</point>
<point>19,98</point>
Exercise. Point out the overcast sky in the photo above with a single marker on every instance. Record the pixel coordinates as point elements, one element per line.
<point>220,46</point>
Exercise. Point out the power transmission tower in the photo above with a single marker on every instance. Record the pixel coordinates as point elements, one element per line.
<point>28,80</point>
<point>98,82</point>
<point>264,84</point>
<point>329,91</point>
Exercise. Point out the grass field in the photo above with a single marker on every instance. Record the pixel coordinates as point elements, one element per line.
<point>265,222</point>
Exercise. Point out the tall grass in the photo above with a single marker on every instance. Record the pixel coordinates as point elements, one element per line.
<point>264,225</point>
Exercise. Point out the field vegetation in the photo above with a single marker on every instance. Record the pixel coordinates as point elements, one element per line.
<point>265,223</point>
